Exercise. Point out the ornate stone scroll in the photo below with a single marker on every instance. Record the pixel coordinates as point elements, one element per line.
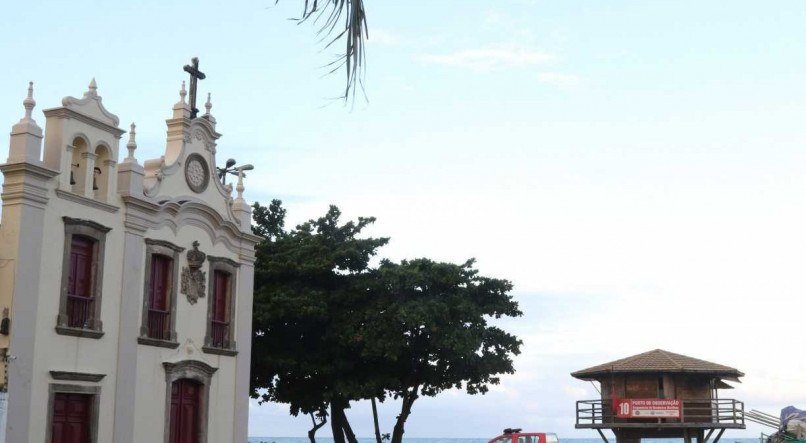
<point>193,278</point>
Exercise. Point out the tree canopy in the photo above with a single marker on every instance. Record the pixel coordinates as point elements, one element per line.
<point>330,329</point>
<point>428,323</point>
<point>304,351</point>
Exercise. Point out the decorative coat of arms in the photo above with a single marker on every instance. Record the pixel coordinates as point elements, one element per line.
<point>193,277</point>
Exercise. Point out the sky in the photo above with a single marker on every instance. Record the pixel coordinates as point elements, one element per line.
<point>636,169</point>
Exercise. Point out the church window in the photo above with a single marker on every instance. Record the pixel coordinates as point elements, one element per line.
<point>159,315</point>
<point>220,321</point>
<point>82,279</point>
<point>79,282</point>
<point>221,307</point>
<point>158,326</point>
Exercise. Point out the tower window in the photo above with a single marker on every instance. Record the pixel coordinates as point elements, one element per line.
<point>82,279</point>
<point>158,327</point>
<point>221,308</point>
<point>159,288</point>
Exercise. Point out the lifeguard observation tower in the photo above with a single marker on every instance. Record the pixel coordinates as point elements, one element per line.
<point>660,394</point>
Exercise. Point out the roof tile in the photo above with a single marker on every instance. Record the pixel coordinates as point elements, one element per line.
<point>657,360</point>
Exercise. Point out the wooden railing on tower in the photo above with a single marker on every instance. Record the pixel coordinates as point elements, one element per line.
<point>714,413</point>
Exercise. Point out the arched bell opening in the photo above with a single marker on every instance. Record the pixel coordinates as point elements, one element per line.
<point>102,173</point>
<point>78,165</point>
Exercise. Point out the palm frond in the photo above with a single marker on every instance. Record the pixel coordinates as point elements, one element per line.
<point>341,20</point>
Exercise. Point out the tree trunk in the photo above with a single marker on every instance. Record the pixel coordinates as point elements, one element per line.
<point>335,424</point>
<point>315,427</point>
<point>375,419</point>
<point>348,431</point>
<point>405,411</point>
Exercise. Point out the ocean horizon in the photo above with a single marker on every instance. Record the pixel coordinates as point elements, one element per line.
<point>481,440</point>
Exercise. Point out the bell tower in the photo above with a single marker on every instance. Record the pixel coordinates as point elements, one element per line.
<point>81,142</point>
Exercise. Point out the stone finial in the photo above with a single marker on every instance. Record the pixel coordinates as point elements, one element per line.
<point>132,144</point>
<point>181,108</point>
<point>27,123</point>
<point>182,93</point>
<point>208,106</point>
<point>92,91</point>
<point>241,210</point>
<point>240,188</point>
<point>29,102</point>
<point>130,173</point>
<point>26,135</point>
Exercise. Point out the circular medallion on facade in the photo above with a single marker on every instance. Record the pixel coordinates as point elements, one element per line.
<point>197,174</point>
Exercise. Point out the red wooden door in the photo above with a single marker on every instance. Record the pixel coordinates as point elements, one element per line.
<point>185,404</point>
<point>71,418</point>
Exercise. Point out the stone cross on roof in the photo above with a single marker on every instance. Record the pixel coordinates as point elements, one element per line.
<point>195,75</point>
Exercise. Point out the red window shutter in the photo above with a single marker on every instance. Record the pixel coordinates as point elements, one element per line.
<point>219,327</point>
<point>79,282</point>
<point>160,281</point>
<point>80,277</point>
<point>159,289</point>
<point>220,313</point>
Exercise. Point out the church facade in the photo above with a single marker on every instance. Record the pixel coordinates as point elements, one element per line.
<point>128,285</point>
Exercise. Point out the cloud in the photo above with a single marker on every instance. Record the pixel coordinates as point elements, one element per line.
<point>557,79</point>
<point>495,19</point>
<point>575,392</point>
<point>488,59</point>
<point>507,25</point>
<point>384,37</point>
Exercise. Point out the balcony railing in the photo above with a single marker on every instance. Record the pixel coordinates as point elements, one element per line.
<point>219,332</point>
<point>79,311</point>
<point>159,324</point>
<point>715,413</point>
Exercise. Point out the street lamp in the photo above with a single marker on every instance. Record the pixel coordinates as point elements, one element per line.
<point>230,168</point>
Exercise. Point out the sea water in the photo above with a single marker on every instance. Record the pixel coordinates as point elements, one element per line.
<point>480,440</point>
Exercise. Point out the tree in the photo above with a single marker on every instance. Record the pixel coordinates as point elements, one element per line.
<point>330,13</point>
<point>304,351</point>
<point>429,323</point>
<point>330,330</point>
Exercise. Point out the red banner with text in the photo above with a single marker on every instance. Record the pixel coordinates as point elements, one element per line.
<point>647,408</point>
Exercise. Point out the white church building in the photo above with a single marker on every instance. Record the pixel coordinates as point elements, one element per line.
<point>128,286</point>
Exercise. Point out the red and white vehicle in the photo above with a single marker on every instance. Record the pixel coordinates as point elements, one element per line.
<point>516,436</point>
